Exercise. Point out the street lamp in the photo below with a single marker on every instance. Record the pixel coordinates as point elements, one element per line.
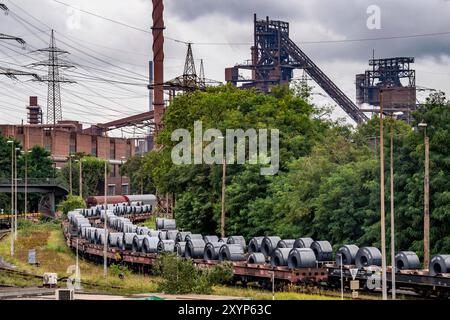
<point>395,116</point>
<point>426,198</point>
<point>15,198</point>
<point>81,177</point>
<point>120,172</point>
<point>382,213</point>
<point>224,170</point>
<point>70,174</point>
<point>105,221</point>
<point>12,196</point>
<point>25,154</point>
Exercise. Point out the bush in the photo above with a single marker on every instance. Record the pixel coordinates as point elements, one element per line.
<point>71,203</point>
<point>181,276</point>
<point>221,273</point>
<point>118,269</point>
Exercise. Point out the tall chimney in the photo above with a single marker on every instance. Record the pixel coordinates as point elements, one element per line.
<point>158,60</point>
<point>34,112</point>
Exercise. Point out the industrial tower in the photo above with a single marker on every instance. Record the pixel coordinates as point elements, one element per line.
<point>275,56</point>
<point>54,63</point>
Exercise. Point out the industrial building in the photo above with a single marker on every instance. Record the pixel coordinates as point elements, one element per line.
<point>68,137</point>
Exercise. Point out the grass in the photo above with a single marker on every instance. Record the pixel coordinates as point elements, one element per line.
<point>258,294</point>
<point>54,255</point>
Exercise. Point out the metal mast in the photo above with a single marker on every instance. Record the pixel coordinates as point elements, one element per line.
<point>201,75</point>
<point>189,73</point>
<point>54,63</point>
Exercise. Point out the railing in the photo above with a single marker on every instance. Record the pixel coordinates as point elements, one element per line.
<point>33,181</point>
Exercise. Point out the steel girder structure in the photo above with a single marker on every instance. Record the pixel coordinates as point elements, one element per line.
<point>275,56</point>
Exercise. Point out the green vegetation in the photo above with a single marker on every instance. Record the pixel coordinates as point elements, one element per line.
<point>328,184</point>
<point>39,166</point>
<point>93,170</point>
<point>71,203</point>
<point>181,276</point>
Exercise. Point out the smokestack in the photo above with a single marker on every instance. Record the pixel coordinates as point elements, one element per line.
<point>34,112</point>
<point>158,61</point>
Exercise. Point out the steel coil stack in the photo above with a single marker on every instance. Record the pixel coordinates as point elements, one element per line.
<point>254,244</point>
<point>303,243</point>
<point>232,252</point>
<point>302,258</point>
<point>406,260</point>
<point>287,243</point>
<point>368,256</point>
<point>240,240</point>
<point>269,244</point>
<point>150,244</point>
<point>280,257</point>
<point>347,254</point>
<point>195,249</point>
<point>166,246</point>
<point>322,250</point>
<point>212,250</point>
<point>256,258</point>
<point>439,264</point>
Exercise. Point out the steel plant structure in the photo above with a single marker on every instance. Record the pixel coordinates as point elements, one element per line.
<point>275,56</point>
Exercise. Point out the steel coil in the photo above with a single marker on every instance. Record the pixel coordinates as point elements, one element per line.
<point>254,244</point>
<point>194,248</point>
<point>150,244</point>
<point>112,238</point>
<point>212,250</point>
<point>154,233</point>
<point>192,236</point>
<point>269,244</point>
<point>181,236</point>
<point>287,243</point>
<point>237,240</point>
<point>439,264</point>
<point>280,257</point>
<point>256,258</point>
<point>406,260</point>
<point>128,239</point>
<point>302,258</point>
<point>209,239</point>
<point>120,244</point>
<point>348,253</point>
<point>166,246</point>
<point>368,256</point>
<point>162,235</point>
<point>322,250</point>
<point>231,252</point>
<point>137,242</point>
<point>224,240</point>
<point>303,243</point>
<point>172,234</point>
<point>180,248</point>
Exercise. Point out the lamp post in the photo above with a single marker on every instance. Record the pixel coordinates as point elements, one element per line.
<point>394,117</point>
<point>224,170</point>
<point>105,244</point>
<point>15,198</point>
<point>426,199</point>
<point>12,196</point>
<point>70,174</point>
<point>382,210</point>
<point>26,181</point>
<point>120,172</point>
<point>81,178</point>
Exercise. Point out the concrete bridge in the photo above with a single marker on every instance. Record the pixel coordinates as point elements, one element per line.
<point>49,188</point>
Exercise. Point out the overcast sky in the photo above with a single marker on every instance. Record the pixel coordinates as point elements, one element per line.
<point>221,31</point>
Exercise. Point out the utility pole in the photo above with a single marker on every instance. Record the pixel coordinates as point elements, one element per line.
<point>426,199</point>
<point>12,196</point>
<point>224,174</point>
<point>382,209</point>
<point>392,214</point>
<point>105,244</point>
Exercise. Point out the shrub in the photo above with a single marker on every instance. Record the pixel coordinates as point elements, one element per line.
<point>71,203</point>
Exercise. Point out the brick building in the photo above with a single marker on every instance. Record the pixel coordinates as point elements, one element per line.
<point>68,137</point>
